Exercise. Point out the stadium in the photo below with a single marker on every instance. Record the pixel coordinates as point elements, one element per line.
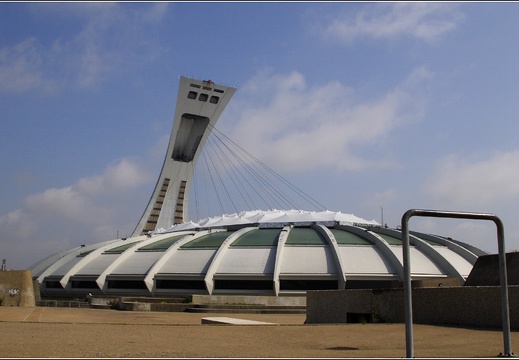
<point>250,252</point>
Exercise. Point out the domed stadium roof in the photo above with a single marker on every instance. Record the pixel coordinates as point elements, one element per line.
<point>255,252</point>
<point>274,252</point>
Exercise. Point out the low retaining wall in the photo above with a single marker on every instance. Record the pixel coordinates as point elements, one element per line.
<point>63,303</point>
<point>250,300</point>
<point>180,304</point>
<point>478,306</point>
<point>142,306</point>
<point>152,304</point>
<point>17,288</point>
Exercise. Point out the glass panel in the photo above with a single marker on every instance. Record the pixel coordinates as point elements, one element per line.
<point>346,238</point>
<point>391,240</point>
<point>305,236</point>
<point>162,245</point>
<point>208,241</point>
<point>259,237</point>
<point>121,249</point>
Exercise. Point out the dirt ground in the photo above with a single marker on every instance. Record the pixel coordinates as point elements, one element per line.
<point>43,332</point>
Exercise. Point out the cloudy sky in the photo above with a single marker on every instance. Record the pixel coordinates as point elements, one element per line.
<point>371,108</point>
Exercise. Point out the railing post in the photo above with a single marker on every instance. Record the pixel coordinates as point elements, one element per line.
<point>504,288</point>
<point>407,286</point>
<point>505,312</point>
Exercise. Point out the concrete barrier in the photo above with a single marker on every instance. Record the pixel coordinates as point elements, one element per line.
<point>152,304</point>
<point>478,306</point>
<point>250,300</point>
<point>232,321</point>
<point>16,288</point>
<point>485,271</point>
<point>133,306</point>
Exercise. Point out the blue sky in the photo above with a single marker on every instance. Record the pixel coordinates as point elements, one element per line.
<point>365,106</point>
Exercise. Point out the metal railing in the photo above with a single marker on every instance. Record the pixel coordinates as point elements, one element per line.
<point>505,312</point>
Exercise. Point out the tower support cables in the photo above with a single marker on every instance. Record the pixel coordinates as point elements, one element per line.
<point>239,181</point>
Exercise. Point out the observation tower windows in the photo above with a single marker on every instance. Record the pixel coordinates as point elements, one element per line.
<point>203,97</point>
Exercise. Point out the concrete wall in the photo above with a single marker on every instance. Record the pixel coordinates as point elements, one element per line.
<point>485,271</point>
<point>462,305</point>
<point>250,300</point>
<point>17,288</point>
<point>142,306</point>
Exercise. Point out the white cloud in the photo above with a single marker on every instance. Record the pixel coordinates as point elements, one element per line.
<point>113,39</point>
<point>78,202</point>
<point>155,13</point>
<point>478,183</point>
<point>90,210</point>
<point>21,67</point>
<point>110,40</point>
<point>124,175</point>
<point>421,20</point>
<point>65,203</point>
<point>298,127</point>
<point>418,75</point>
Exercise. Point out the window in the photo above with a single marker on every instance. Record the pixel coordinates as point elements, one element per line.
<point>85,284</point>
<point>181,284</point>
<point>222,284</point>
<point>192,95</point>
<point>127,284</point>
<point>214,99</point>
<point>203,97</point>
<point>308,284</point>
<point>50,284</point>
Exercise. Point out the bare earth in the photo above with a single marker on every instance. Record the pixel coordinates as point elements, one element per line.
<point>43,332</point>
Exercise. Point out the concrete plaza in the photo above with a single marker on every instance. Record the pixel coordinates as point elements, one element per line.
<point>36,332</point>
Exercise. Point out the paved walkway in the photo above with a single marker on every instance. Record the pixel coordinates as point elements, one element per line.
<point>75,333</point>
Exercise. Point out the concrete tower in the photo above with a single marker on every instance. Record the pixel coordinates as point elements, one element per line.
<point>199,105</point>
